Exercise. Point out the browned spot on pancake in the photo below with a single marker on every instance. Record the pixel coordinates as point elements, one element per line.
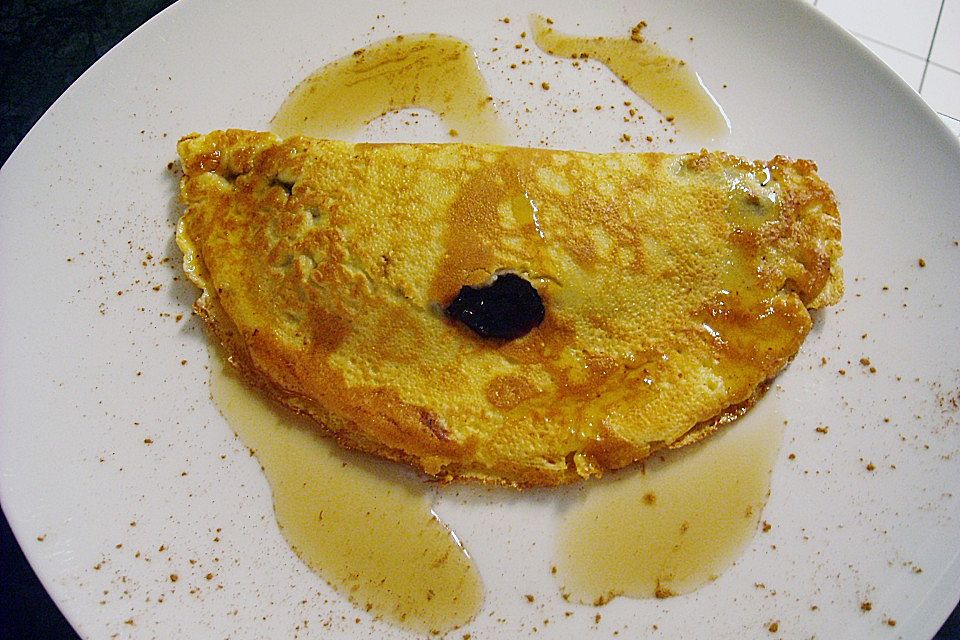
<point>382,415</point>
<point>583,249</point>
<point>506,392</point>
<point>433,423</point>
<point>474,237</point>
<point>543,344</point>
<point>611,451</point>
<point>207,161</point>
<point>756,335</point>
<point>473,233</point>
<point>327,331</point>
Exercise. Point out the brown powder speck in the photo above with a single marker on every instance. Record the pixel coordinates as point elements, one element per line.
<point>597,618</point>
<point>774,626</point>
<point>505,20</point>
<point>891,622</point>
<point>842,372</point>
<point>553,569</point>
<point>792,456</point>
<point>922,264</point>
<point>530,597</point>
<point>174,577</point>
<point>41,537</point>
<point>865,362</point>
<point>871,466</point>
<point>147,441</point>
<point>650,498</point>
<point>545,86</point>
<point>822,429</point>
<point>866,605</point>
<point>766,526</point>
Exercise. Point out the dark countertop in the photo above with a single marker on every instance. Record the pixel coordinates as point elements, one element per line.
<point>44,46</point>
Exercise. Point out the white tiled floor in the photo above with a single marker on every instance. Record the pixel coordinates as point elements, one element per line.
<point>946,50</point>
<point>906,25</point>
<point>941,90</point>
<point>920,40</point>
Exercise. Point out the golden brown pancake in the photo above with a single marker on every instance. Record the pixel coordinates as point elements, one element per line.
<point>673,288</point>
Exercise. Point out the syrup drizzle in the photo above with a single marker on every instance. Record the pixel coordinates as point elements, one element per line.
<point>431,71</point>
<point>667,83</point>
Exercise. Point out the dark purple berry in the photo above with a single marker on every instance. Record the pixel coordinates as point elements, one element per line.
<point>507,308</point>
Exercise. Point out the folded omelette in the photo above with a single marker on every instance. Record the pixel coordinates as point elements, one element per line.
<point>637,300</point>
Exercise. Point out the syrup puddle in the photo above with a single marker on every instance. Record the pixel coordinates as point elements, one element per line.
<point>438,73</point>
<point>668,84</point>
<point>362,526</point>
<point>677,525</point>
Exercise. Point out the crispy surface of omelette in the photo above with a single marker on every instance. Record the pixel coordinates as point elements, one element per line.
<point>673,288</point>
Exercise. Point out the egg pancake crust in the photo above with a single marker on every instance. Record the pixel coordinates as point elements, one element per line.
<point>675,287</point>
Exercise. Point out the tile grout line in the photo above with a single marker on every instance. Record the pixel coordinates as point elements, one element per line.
<point>944,67</point>
<point>933,39</point>
<point>889,46</point>
<point>915,56</point>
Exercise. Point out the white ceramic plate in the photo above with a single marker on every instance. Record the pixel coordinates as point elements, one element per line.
<point>88,374</point>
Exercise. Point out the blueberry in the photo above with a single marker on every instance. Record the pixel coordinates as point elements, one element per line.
<point>507,308</point>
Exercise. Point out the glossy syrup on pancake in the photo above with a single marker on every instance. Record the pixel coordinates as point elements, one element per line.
<point>677,523</point>
<point>431,71</point>
<point>366,529</point>
<point>667,83</point>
